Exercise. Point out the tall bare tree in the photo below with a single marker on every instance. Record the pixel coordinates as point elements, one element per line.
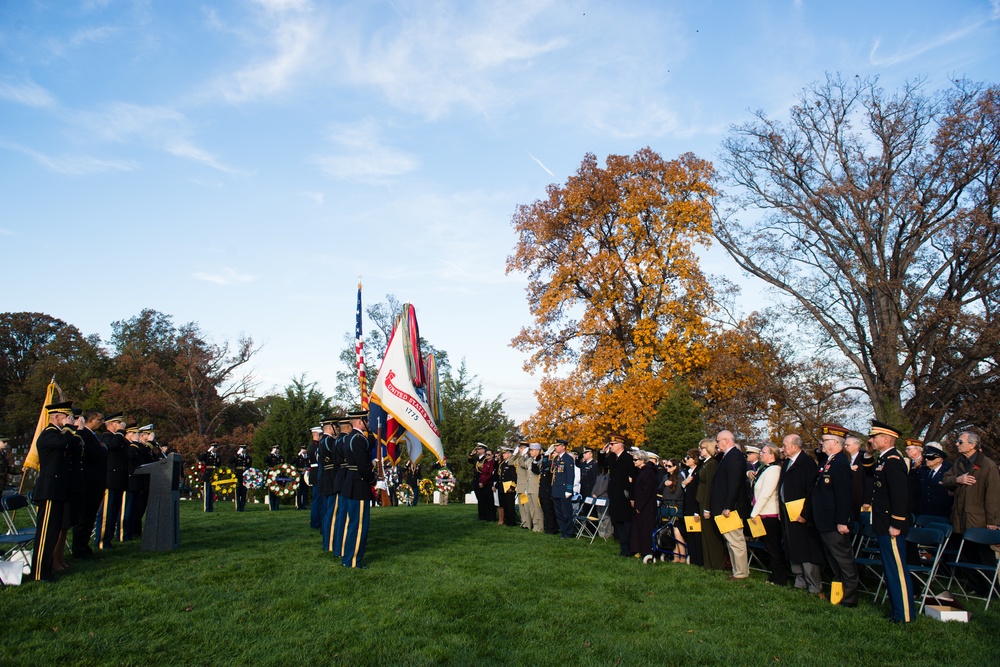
<point>876,212</point>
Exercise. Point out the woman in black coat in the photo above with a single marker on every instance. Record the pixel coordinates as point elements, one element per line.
<point>712,542</point>
<point>643,505</point>
<point>689,482</point>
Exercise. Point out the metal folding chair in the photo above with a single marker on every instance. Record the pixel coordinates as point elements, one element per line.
<point>592,520</point>
<point>15,541</point>
<point>869,558</point>
<point>982,536</point>
<point>930,541</point>
<point>580,518</point>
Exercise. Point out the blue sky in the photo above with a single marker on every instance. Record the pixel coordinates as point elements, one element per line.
<point>240,163</point>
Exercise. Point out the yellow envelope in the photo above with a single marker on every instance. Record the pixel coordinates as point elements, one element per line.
<point>509,486</point>
<point>794,508</point>
<point>757,527</point>
<point>691,525</point>
<point>523,498</point>
<point>730,523</point>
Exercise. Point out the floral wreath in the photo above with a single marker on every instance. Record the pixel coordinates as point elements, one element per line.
<point>282,480</point>
<point>253,478</point>
<point>404,493</point>
<point>224,481</point>
<point>194,481</point>
<point>445,481</point>
<point>426,487</point>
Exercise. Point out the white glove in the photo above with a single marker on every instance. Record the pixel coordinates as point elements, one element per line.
<point>569,495</point>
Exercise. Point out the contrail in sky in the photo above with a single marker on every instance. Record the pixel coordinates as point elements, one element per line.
<point>547,170</point>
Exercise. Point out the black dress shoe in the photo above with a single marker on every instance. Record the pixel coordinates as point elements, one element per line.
<point>849,605</point>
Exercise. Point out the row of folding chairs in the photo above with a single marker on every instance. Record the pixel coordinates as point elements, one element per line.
<point>929,537</point>
<point>593,511</point>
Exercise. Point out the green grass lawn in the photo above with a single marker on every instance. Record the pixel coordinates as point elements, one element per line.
<point>441,588</point>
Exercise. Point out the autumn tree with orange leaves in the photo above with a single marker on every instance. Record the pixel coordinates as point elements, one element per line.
<point>615,290</point>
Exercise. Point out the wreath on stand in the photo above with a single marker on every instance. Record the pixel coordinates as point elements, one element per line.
<point>224,482</point>
<point>253,479</point>
<point>426,487</point>
<point>193,480</point>
<point>445,481</point>
<point>282,480</point>
<point>404,494</point>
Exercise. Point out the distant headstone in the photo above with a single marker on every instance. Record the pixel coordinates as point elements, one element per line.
<point>162,531</point>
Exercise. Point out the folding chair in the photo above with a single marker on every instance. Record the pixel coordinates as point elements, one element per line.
<point>592,521</point>
<point>930,540</point>
<point>869,558</point>
<point>15,542</point>
<point>988,572</point>
<point>755,561</point>
<point>580,518</point>
<point>11,504</point>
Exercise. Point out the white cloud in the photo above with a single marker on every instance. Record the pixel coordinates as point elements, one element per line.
<point>73,165</point>
<point>292,29</point>
<point>29,94</point>
<point>361,156</point>
<point>227,277</point>
<point>317,197</point>
<point>995,14</point>
<point>912,52</point>
<point>440,57</point>
<point>7,232</point>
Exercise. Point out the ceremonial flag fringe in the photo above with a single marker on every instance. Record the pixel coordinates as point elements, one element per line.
<point>394,392</point>
<point>31,460</point>
<point>359,353</point>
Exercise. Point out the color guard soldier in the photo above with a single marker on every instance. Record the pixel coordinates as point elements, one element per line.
<point>109,524</point>
<point>241,462</point>
<point>315,510</point>
<point>356,493</point>
<point>890,517</point>
<point>328,466</point>
<point>95,472</point>
<point>210,458</point>
<point>339,508</point>
<point>832,514</point>
<point>52,486</point>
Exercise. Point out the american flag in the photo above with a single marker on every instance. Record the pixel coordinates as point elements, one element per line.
<point>359,351</point>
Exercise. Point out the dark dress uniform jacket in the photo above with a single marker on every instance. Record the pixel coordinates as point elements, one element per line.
<point>359,477</point>
<point>620,488</point>
<point>891,495</point>
<point>95,461</point>
<point>340,461</point>
<point>797,480</point>
<point>831,500</point>
<point>935,498</point>
<point>588,475</point>
<point>53,447</point>
<point>117,447</point>
<point>211,461</point>
<point>729,487</point>
<point>329,464</point>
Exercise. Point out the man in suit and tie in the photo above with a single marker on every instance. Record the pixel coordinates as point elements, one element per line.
<point>729,494</point>
<point>802,543</point>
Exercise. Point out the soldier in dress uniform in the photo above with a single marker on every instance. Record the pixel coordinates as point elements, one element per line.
<point>242,461</point>
<point>832,512</point>
<point>109,521</point>
<point>588,472</point>
<point>74,497</point>
<point>891,517</point>
<point>356,492</point>
<point>302,489</point>
<point>272,460</point>
<point>210,458</point>
<point>477,459</point>
<point>329,463</point>
<point>506,487</point>
<point>52,486</point>
<point>95,473</point>
<point>129,511</point>
<point>147,454</point>
<point>935,498</point>
<point>544,470</point>
<point>339,508</point>
<point>563,481</point>
<point>315,506</point>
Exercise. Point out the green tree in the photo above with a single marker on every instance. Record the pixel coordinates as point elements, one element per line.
<point>470,418</point>
<point>678,424</point>
<point>288,418</point>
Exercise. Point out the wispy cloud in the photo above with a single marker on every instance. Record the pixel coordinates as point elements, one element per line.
<point>72,165</point>
<point>227,277</point>
<point>361,155</point>
<point>29,94</point>
<point>158,127</point>
<point>539,162</point>
<point>430,62</point>
<point>291,31</point>
<point>917,50</point>
<point>995,14</point>
<point>317,197</point>
<point>7,232</point>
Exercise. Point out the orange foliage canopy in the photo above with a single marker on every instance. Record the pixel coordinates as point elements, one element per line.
<point>615,289</point>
